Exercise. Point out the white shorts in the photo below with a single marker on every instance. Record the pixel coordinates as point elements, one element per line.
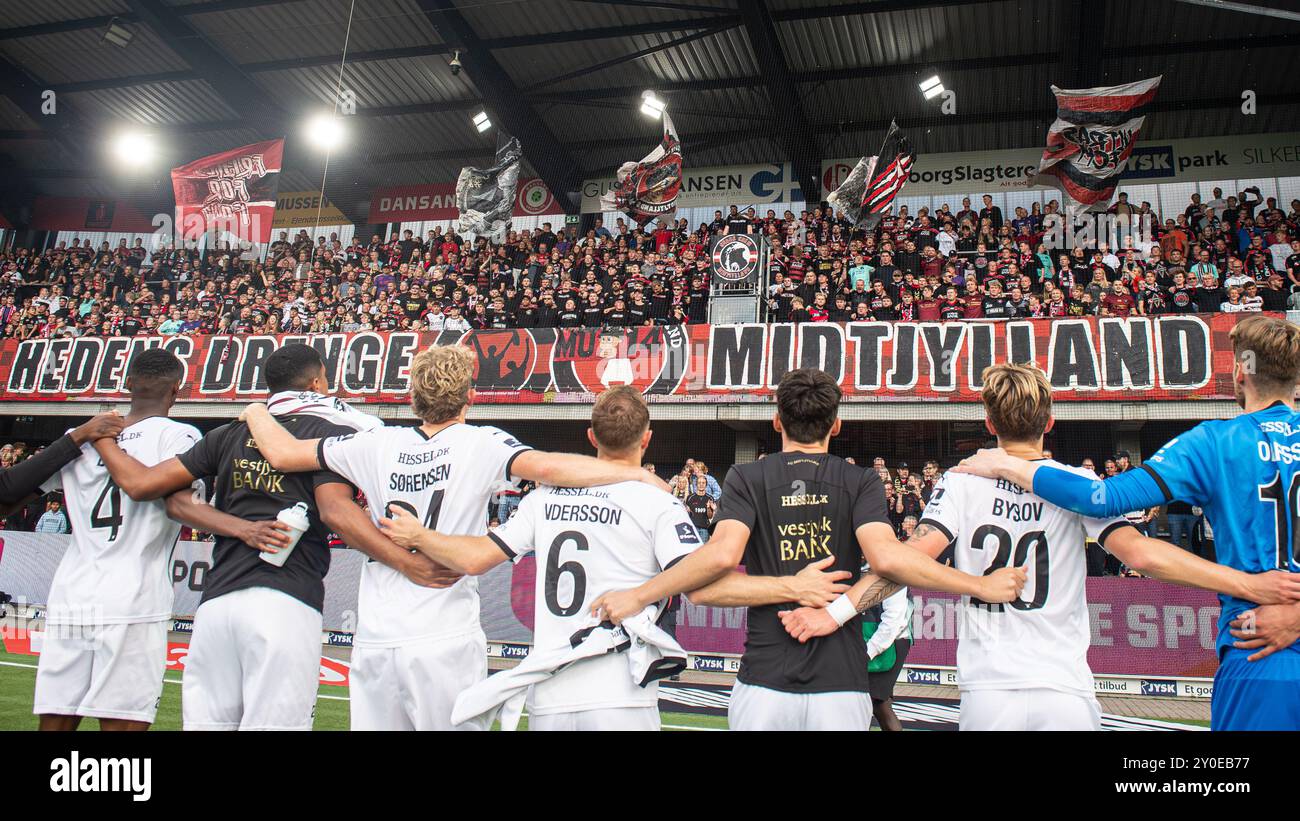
<point>761,708</point>
<point>102,671</point>
<point>1029,709</point>
<point>253,663</point>
<point>414,686</point>
<point>621,719</point>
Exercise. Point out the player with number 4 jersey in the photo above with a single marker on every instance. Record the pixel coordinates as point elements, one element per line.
<point>1025,667</point>
<point>105,643</point>
<point>417,648</point>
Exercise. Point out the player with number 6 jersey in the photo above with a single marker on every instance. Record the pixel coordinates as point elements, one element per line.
<point>417,648</point>
<point>587,542</point>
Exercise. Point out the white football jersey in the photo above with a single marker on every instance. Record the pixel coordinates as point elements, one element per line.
<point>1040,640</point>
<point>590,541</point>
<point>117,569</point>
<point>445,481</point>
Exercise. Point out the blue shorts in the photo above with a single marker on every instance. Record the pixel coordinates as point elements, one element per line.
<point>1257,695</point>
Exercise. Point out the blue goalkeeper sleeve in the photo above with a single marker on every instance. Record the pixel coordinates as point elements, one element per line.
<point>1129,491</point>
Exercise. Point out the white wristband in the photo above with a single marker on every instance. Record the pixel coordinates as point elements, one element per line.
<point>842,609</point>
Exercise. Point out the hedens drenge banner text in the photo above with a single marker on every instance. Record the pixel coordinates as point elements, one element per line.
<point>1136,359</point>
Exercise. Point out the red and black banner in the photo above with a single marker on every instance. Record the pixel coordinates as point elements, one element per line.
<point>1138,360</point>
<point>1091,140</point>
<point>231,192</point>
<point>648,189</point>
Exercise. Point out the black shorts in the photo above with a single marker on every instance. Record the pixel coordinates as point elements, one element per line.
<point>881,685</point>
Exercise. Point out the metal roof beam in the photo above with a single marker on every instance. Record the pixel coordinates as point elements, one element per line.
<point>502,99</point>
<point>634,55</point>
<point>256,109</point>
<point>794,130</point>
<point>716,138</point>
<point>80,23</point>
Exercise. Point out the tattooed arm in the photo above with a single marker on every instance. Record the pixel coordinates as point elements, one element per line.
<point>870,590</point>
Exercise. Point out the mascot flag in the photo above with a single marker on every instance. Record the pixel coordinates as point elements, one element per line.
<point>485,197</point>
<point>648,189</point>
<point>869,191</point>
<point>232,192</point>
<point>1091,140</point>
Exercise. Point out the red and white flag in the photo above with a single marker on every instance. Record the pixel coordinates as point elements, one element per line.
<point>232,192</point>
<point>1089,144</point>
<point>648,189</point>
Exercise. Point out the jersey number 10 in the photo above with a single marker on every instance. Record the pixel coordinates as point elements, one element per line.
<point>1287,510</point>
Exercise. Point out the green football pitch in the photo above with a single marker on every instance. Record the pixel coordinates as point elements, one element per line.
<point>18,678</point>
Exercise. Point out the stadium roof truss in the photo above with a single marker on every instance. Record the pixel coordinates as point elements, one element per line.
<point>747,81</point>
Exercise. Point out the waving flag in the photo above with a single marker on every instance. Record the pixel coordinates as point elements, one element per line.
<point>1091,140</point>
<point>233,192</point>
<point>648,189</point>
<point>868,192</point>
<point>485,197</point>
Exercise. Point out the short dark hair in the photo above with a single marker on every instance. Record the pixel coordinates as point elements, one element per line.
<point>156,363</point>
<point>292,367</point>
<point>808,402</point>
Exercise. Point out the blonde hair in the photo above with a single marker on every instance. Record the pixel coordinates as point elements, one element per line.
<point>441,378</point>
<point>1018,401</point>
<point>1269,349</point>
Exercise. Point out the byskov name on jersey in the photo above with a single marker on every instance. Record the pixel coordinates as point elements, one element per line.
<point>1018,511</point>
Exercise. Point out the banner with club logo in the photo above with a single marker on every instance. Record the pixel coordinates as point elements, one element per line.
<point>736,259</point>
<point>1138,359</point>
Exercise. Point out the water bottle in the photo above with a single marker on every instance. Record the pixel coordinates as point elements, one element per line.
<point>296,518</point>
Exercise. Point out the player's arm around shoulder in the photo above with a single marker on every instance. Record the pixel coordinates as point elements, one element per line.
<point>139,481</point>
<point>1164,561</point>
<point>470,555</point>
<point>281,448</point>
<point>572,470</point>
<point>687,565</point>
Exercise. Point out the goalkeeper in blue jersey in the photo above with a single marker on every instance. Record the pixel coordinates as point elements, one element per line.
<point>1245,473</point>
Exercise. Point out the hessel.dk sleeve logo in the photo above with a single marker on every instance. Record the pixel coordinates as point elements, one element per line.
<point>686,533</point>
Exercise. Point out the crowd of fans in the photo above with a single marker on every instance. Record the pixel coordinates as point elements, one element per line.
<point>1240,253</point>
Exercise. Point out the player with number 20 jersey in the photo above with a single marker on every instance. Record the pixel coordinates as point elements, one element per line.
<point>1035,647</point>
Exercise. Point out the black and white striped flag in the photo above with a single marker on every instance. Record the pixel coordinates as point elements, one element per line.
<point>868,192</point>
